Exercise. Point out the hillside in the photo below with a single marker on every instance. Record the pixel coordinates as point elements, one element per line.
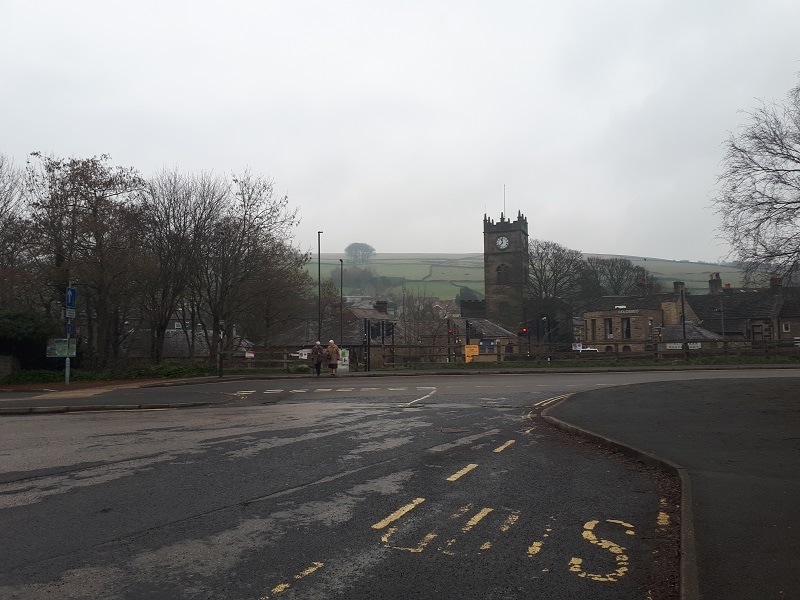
<point>442,275</point>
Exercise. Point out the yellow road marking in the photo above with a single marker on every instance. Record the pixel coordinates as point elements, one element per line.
<point>279,589</point>
<point>536,547</point>
<point>461,511</point>
<point>462,472</point>
<point>621,560</point>
<point>663,519</point>
<point>511,520</point>
<point>398,513</point>
<point>476,519</point>
<point>419,548</point>
<point>504,446</point>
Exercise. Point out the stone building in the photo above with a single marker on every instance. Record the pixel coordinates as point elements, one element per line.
<point>638,323</point>
<point>505,265</point>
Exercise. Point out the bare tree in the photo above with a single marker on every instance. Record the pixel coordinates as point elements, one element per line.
<point>14,238</point>
<point>554,271</point>
<point>613,277</point>
<point>11,181</point>
<point>553,286</point>
<point>423,325</point>
<point>80,213</point>
<point>177,213</point>
<point>759,195</point>
<point>253,223</point>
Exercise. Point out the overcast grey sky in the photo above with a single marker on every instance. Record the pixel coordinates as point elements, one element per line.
<point>399,124</point>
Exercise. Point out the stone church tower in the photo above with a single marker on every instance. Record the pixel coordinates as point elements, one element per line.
<point>505,269</point>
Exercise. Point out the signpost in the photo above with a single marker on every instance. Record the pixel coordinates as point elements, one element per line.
<point>70,302</point>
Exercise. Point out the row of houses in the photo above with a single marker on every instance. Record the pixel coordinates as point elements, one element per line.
<point>736,315</point>
<point>640,323</point>
<point>611,324</point>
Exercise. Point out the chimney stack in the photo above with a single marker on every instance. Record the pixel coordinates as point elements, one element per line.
<point>714,284</point>
<point>679,286</point>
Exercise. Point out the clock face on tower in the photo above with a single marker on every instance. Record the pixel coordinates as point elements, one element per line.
<point>502,242</point>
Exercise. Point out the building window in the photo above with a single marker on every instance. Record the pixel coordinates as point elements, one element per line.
<point>594,330</point>
<point>503,275</point>
<point>608,325</point>
<point>650,328</point>
<point>758,333</point>
<point>786,327</point>
<point>626,328</point>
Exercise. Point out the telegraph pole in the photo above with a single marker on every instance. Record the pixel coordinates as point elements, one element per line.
<point>319,287</point>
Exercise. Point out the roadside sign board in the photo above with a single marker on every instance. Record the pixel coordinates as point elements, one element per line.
<point>679,346</point>
<point>61,348</point>
<point>69,313</point>
<point>470,350</point>
<point>71,299</point>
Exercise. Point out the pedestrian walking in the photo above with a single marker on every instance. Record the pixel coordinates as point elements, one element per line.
<point>317,356</point>
<point>333,357</point>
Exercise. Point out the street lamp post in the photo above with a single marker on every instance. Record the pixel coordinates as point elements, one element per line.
<point>341,301</point>
<point>319,286</point>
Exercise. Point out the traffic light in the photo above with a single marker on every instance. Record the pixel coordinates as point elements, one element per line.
<point>523,332</point>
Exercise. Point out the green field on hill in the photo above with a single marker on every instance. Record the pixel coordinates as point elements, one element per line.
<point>442,275</point>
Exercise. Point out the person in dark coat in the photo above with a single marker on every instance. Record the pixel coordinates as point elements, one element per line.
<point>317,356</point>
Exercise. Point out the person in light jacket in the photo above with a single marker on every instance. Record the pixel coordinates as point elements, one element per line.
<point>333,356</point>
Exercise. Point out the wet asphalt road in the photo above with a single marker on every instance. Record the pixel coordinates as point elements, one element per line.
<point>737,439</point>
<point>386,489</point>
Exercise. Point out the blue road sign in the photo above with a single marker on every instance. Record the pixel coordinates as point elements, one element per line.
<point>72,297</point>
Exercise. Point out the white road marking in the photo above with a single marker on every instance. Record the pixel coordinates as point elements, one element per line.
<point>462,441</point>
<point>428,395</point>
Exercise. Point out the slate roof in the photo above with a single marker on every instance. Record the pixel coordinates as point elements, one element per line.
<point>483,328</point>
<point>649,302</point>
<point>736,307</point>
<point>791,304</point>
<point>693,332</point>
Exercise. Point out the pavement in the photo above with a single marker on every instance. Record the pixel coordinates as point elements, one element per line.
<point>734,443</point>
<point>736,446</point>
